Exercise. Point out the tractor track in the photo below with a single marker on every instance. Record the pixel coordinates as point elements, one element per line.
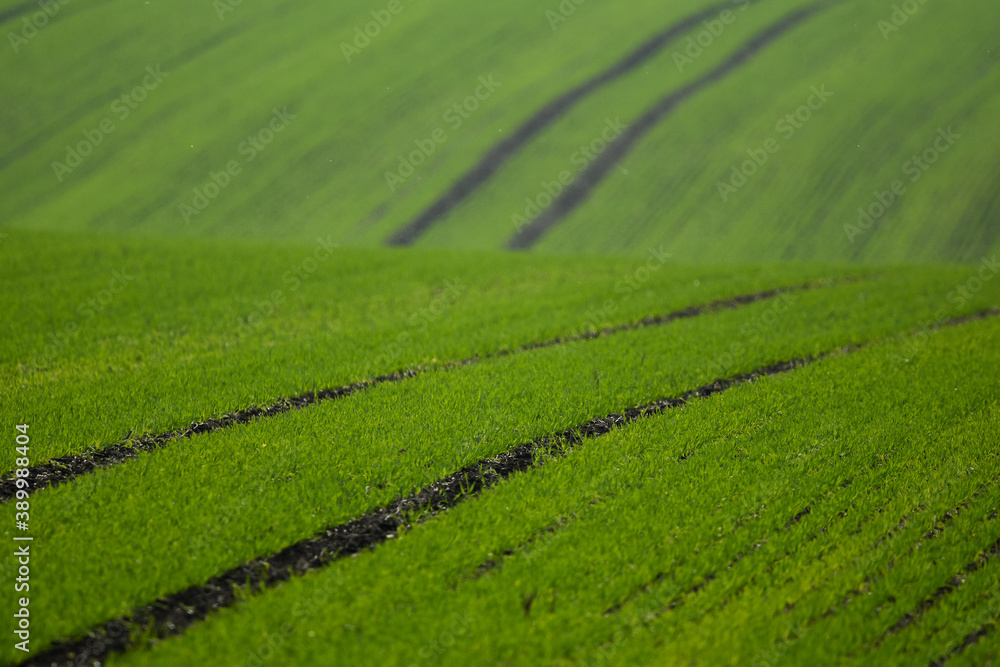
<point>502,151</point>
<point>577,192</point>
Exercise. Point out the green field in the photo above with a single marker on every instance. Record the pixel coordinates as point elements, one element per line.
<point>325,172</point>
<point>515,333</point>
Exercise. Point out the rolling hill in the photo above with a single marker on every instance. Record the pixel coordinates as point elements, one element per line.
<point>273,121</point>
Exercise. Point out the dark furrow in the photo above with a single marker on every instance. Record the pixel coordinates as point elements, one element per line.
<point>66,468</point>
<point>15,12</point>
<point>966,642</point>
<point>497,561</point>
<point>173,614</point>
<point>740,555</point>
<point>865,585</point>
<point>990,553</point>
<point>580,189</point>
<point>31,8</point>
<point>496,156</point>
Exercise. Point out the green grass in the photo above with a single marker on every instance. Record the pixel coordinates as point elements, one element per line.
<point>627,509</point>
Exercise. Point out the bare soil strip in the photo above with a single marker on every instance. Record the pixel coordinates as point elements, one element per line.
<point>496,156</point>
<point>577,192</point>
<point>173,614</point>
<point>65,468</point>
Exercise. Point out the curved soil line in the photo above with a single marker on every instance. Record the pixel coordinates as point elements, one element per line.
<point>66,468</point>
<point>173,614</point>
<point>14,12</point>
<point>496,156</point>
<point>580,189</point>
<point>966,642</point>
<point>981,560</point>
<point>32,7</point>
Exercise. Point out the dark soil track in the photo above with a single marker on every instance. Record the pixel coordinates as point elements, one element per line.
<point>991,552</point>
<point>503,150</point>
<point>15,12</point>
<point>966,642</point>
<point>580,189</point>
<point>66,468</point>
